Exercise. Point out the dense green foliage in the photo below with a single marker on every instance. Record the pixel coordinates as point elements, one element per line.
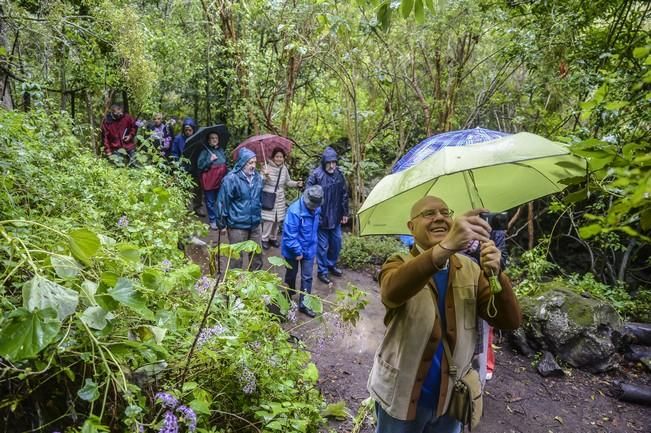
<point>100,308</point>
<point>364,253</point>
<point>370,77</point>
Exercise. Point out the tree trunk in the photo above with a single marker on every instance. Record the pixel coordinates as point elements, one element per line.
<point>293,68</point>
<point>62,73</point>
<point>5,94</point>
<point>530,225</point>
<point>125,101</point>
<point>91,120</point>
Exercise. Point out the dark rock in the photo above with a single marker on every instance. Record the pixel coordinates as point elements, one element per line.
<point>518,339</point>
<point>577,329</point>
<point>634,393</point>
<point>637,353</point>
<point>640,332</point>
<point>549,367</point>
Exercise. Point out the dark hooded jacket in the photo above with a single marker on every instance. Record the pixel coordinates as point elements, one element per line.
<point>178,146</point>
<point>114,132</point>
<point>238,202</point>
<point>335,191</point>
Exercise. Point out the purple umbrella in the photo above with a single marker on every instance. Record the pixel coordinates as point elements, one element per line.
<point>436,142</point>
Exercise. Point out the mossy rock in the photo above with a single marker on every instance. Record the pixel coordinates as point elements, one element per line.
<point>578,329</point>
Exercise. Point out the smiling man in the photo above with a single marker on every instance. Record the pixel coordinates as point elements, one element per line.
<point>433,294</point>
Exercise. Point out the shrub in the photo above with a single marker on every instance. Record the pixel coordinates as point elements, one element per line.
<point>362,252</point>
<point>100,308</point>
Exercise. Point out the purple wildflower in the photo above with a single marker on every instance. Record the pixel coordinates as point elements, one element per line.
<point>140,123</point>
<point>170,423</point>
<point>123,222</point>
<point>248,379</point>
<point>166,265</point>
<point>256,346</point>
<point>291,314</point>
<point>203,284</point>
<point>208,334</point>
<point>188,416</point>
<point>168,400</point>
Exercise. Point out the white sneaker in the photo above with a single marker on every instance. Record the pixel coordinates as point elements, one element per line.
<point>489,375</point>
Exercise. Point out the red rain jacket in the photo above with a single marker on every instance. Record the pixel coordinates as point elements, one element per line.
<point>115,131</point>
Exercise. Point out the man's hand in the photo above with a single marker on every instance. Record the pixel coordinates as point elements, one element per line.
<point>344,220</point>
<point>127,138</point>
<point>468,227</point>
<point>213,157</point>
<point>299,184</point>
<point>299,258</point>
<point>489,258</point>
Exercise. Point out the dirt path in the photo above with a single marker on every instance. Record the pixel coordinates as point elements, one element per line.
<point>517,400</point>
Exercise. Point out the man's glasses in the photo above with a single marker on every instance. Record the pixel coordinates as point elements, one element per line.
<point>430,214</point>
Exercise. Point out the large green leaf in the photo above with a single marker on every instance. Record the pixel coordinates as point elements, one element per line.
<point>124,293</point>
<point>95,317</point>
<point>419,11</point>
<point>83,244</point>
<point>65,266</point>
<point>128,252</point>
<point>42,293</point>
<point>151,278</point>
<point>336,410</point>
<point>313,303</point>
<point>406,6</point>
<point>277,261</point>
<point>25,333</point>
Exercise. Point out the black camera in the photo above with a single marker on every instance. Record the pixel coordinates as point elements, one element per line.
<point>497,221</point>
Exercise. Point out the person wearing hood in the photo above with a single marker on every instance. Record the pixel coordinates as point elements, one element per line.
<point>188,128</point>
<point>299,241</point>
<point>239,205</point>
<point>119,132</point>
<point>334,213</point>
<point>212,167</point>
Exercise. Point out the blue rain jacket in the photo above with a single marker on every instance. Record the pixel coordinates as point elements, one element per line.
<point>239,203</point>
<point>300,231</point>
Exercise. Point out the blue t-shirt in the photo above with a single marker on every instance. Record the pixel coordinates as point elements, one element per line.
<point>429,393</point>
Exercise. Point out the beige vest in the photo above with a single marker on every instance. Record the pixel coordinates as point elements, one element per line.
<point>410,327</point>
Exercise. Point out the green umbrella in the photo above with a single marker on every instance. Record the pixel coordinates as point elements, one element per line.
<point>498,175</point>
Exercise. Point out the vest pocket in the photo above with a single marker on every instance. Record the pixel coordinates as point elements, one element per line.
<point>384,381</point>
<point>470,313</point>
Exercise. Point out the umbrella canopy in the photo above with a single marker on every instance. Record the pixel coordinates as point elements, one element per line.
<point>195,143</point>
<point>499,174</point>
<point>439,141</point>
<point>263,146</point>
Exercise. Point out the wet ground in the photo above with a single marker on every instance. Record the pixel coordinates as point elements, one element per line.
<point>517,400</point>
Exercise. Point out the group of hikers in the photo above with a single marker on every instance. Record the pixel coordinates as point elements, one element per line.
<point>311,225</point>
<point>422,378</point>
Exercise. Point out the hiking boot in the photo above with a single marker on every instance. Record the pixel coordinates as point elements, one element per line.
<point>275,243</point>
<point>265,244</point>
<point>324,279</point>
<point>307,311</point>
<point>336,271</point>
<point>213,226</point>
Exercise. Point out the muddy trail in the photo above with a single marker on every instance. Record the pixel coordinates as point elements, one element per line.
<point>516,400</point>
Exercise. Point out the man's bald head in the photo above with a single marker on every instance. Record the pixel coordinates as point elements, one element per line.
<point>430,221</point>
<point>427,202</point>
